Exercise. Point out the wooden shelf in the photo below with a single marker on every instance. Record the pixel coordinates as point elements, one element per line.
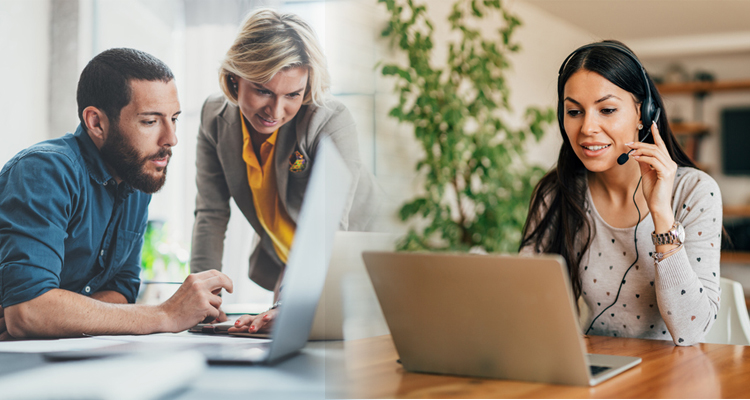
<point>703,87</point>
<point>689,128</point>
<point>689,135</point>
<point>737,211</point>
<point>739,257</point>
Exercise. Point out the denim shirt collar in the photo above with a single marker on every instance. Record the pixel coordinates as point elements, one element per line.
<point>94,162</point>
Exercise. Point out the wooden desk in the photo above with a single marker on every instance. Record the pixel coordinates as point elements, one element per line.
<point>667,371</point>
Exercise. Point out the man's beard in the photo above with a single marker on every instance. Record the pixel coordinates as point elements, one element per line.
<point>128,163</point>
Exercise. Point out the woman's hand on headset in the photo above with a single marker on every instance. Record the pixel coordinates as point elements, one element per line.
<point>658,171</point>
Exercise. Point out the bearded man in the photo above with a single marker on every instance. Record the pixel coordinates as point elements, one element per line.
<point>73,213</point>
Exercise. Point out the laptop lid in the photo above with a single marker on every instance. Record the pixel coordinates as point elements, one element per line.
<point>321,212</point>
<point>505,317</point>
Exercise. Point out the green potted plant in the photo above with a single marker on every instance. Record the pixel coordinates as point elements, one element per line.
<point>477,182</point>
<point>164,263</point>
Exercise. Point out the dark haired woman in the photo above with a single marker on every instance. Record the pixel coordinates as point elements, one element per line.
<point>641,239</point>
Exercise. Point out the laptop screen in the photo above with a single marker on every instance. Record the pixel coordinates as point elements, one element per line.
<point>322,208</point>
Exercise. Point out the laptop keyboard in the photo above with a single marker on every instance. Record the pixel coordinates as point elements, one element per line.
<point>595,369</point>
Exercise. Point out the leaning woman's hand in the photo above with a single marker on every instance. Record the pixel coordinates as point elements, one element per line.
<point>261,323</point>
<point>658,171</point>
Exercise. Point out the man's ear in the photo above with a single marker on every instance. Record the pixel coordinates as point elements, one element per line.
<point>97,125</point>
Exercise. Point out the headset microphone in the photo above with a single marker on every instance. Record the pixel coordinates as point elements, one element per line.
<point>624,157</point>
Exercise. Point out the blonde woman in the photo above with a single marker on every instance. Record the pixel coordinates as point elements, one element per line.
<point>257,142</point>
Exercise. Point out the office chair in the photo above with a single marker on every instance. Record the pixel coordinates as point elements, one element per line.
<point>732,324</point>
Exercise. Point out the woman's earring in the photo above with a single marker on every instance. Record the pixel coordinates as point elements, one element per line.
<point>234,83</point>
<point>640,126</point>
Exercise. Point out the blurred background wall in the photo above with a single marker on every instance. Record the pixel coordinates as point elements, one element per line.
<point>46,43</point>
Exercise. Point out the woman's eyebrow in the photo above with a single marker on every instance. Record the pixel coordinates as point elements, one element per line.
<point>261,86</point>
<point>607,97</point>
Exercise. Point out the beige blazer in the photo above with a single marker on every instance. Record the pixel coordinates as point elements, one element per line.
<point>222,174</point>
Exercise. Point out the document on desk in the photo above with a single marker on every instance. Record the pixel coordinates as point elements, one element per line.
<point>50,345</point>
<point>179,338</point>
<point>97,342</point>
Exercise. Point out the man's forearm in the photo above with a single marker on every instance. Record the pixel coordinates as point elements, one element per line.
<point>61,313</point>
<point>110,296</point>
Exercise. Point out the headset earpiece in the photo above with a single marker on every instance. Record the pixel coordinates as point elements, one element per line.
<point>648,111</point>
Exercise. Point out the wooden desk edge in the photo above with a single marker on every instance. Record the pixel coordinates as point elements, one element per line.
<point>667,371</point>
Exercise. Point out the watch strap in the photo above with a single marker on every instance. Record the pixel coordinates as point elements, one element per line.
<point>669,237</point>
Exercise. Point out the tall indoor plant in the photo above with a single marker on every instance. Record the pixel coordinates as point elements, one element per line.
<point>477,181</point>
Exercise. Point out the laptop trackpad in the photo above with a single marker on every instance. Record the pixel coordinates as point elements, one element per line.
<point>607,366</point>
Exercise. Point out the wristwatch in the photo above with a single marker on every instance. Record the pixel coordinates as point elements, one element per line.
<point>675,235</point>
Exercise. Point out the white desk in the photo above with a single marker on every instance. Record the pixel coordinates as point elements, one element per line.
<point>302,376</point>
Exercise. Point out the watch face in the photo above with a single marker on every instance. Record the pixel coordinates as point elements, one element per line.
<point>680,232</point>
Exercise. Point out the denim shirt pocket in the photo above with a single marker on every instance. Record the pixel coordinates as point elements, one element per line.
<point>126,242</point>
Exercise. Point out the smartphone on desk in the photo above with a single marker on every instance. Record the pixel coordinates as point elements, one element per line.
<point>217,328</point>
<point>222,328</point>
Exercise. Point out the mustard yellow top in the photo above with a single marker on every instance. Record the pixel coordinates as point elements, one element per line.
<point>262,179</point>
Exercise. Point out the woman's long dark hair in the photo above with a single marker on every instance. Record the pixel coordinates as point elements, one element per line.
<point>556,222</point>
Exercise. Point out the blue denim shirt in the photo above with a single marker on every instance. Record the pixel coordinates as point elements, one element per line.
<point>65,223</point>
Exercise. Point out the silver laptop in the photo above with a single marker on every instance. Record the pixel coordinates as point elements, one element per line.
<point>506,317</point>
<point>346,278</point>
<point>303,282</point>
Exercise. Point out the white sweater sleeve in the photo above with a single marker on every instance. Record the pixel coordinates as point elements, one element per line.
<point>687,283</point>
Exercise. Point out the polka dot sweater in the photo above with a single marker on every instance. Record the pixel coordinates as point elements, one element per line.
<point>676,299</point>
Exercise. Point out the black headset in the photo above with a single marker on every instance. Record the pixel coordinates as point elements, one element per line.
<point>650,112</point>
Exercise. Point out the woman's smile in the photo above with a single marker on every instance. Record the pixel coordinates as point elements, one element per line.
<point>595,149</point>
<point>267,121</point>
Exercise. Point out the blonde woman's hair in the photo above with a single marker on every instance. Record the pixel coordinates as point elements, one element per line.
<point>269,42</point>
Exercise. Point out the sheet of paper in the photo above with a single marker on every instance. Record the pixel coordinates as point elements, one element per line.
<point>95,342</point>
<point>44,346</point>
<point>178,338</point>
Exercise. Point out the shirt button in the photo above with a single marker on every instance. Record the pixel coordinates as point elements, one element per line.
<point>101,253</point>
<point>105,183</point>
<point>87,289</point>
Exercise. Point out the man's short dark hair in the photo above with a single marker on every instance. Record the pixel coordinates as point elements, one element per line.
<point>105,82</point>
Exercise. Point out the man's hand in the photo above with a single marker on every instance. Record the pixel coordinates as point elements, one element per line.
<point>196,300</point>
<point>3,329</point>
<point>221,318</point>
